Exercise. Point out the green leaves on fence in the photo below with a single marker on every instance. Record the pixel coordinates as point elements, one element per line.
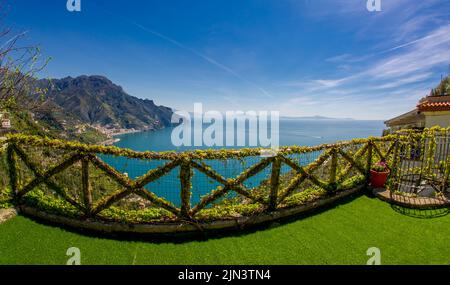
<point>271,194</point>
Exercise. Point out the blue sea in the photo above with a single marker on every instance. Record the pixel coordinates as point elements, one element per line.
<point>291,132</point>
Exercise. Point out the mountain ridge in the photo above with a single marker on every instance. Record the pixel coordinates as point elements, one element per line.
<point>96,100</point>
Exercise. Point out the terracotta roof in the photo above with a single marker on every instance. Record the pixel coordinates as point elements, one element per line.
<point>434,103</point>
<point>438,106</point>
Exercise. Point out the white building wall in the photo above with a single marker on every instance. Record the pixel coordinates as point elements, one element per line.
<point>441,119</point>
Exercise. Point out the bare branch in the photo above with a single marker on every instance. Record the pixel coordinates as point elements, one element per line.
<point>19,66</point>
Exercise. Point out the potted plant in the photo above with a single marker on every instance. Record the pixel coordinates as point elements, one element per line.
<point>379,174</point>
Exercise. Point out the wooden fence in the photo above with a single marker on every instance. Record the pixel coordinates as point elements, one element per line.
<point>337,167</point>
<point>79,185</point>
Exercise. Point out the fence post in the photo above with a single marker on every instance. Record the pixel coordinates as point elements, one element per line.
<point>369,162</point>
<point>430,159</point>
<point>394,165</point>
<point>333,169</point>
<point>446,170</point>
<point>446,174</point>
<point>87,194</point>
<point>12,168</point>
<point>185,180</point>
<point>274,183</point>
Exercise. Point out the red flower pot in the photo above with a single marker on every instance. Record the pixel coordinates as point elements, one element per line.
<point>378,179</point>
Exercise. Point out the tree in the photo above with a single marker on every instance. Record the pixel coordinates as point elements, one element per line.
<point>444,86</point>
<point>19,65</point>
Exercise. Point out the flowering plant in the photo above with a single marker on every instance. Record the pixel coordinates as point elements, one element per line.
<point>380,167</point>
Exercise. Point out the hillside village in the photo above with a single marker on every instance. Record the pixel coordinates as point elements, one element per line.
<point>5,121</point>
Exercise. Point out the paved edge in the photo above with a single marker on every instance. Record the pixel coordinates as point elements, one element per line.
<point>410,202</point>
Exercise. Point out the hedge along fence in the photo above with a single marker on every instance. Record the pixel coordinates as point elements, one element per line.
<point>4,178</point>
<point>70,183</point>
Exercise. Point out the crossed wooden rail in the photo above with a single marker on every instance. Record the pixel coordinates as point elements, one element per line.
<point>341,164</point>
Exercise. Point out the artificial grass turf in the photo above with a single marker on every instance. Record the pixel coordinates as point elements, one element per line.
<point>340,235</point>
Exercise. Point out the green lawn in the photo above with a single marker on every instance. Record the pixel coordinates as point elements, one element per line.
<point>340,235</point>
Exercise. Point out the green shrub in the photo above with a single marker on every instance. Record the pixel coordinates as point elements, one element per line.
<point>305,196</point>
<point>6,198</point>
<point>136,216</point>
<point>40,200</point>
<point>352,182</point>
<point>230,211</point>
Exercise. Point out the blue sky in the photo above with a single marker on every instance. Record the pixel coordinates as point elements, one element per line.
<point>302,58</point>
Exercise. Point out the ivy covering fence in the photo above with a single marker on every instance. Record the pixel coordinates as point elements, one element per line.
<point>84,182</point>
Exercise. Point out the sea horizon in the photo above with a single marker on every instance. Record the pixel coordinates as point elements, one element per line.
<point>292,131</point>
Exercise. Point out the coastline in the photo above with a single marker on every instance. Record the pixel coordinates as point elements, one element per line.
<point>109,141</point>
<point>114,136</point>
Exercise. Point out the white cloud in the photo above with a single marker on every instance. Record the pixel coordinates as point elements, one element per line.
<point>431,51</point>
<point>387,83</point>
<point>404,81</point>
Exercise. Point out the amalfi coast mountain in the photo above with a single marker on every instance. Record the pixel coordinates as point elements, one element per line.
<point>90,109</point>
<point>97,101</point>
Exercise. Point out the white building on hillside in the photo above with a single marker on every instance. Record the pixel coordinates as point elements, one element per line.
<point>5,122</point>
